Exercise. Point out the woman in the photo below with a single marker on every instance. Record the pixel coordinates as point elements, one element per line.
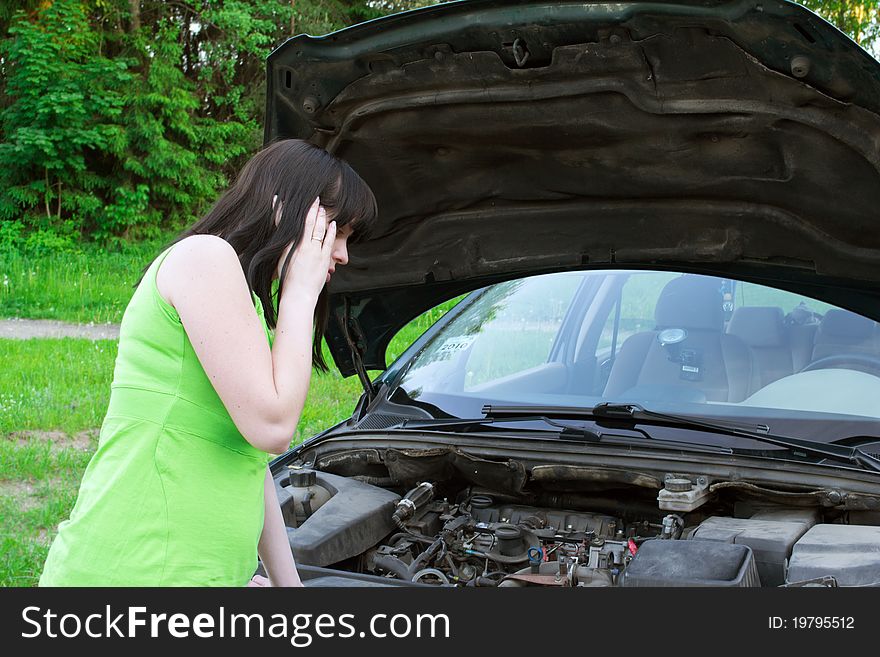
<point>178,492</point>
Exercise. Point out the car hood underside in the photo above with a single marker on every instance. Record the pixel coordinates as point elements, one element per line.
<point>503,139</point>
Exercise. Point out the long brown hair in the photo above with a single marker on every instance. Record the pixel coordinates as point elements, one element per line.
<point>296,172</point>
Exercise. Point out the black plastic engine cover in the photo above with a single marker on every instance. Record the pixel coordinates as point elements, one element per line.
<point>354,519</point>
<point>692,563</point>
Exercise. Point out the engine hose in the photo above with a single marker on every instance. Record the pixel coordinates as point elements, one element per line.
<point>384,482</point>
<point>680,522</point>
<point>307,504</point>
<point>486,580</point>
<point>406,530</point>
<point>410,532</point>
<point>393,565</point>
<point>452,567</point>
<point>408,535</point>
<point>425,556</point>
<point>431,571</point>
<point>397,566</point>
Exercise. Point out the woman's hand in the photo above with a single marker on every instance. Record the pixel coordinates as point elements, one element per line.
<point>307,272</point>
<point>274,546</point>
<point>260,581</point>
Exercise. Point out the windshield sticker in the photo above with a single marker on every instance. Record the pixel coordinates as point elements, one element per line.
<point>455,346</point>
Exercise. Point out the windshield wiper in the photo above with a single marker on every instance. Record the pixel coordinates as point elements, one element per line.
<point>560,430</point>
<point>454,424</point>
<point>633,414</point>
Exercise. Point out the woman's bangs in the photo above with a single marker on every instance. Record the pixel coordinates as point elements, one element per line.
<point>352,203</point>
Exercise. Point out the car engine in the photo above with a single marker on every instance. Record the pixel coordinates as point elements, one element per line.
<point>438,534</point>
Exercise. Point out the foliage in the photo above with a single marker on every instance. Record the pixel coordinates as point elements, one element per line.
<point>123,119</point>
<point>858,18</point>
<point>65,117</point>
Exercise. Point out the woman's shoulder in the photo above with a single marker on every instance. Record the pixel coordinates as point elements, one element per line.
<point>202,246</point>
<point>199,251</point>
<point>197,256</point>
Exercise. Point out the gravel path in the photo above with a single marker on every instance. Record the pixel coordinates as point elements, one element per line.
<point>24,329</point>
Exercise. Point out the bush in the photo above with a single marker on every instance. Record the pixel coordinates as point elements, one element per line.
<point>103,133</point>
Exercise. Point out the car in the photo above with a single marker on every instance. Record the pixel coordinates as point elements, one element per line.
<point>661,220</point>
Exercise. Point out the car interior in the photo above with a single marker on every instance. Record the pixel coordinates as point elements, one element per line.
<point>727,360</point>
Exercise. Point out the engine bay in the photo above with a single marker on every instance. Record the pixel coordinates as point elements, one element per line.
<point>609,529</point>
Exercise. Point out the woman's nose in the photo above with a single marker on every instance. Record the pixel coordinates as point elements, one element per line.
<point>340,253</point>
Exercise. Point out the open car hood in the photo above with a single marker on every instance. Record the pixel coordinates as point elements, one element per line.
<point>508,138</point>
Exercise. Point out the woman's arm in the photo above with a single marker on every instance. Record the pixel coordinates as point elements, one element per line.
<point>274,547</point>
<point>263,389</point>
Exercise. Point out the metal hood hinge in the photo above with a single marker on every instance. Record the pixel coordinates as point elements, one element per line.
<point>354,337</point>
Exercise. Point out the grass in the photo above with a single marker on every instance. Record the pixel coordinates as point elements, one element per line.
<point>51,392</point>
<point>41,454</point>
<point>54,384</point>
<point>38,485</point>
<point>31,510</point>
<point>92,285</point>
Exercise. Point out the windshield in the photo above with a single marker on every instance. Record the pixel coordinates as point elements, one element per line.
<point>680,343</point>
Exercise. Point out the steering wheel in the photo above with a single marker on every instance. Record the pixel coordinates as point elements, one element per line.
<point>859,362</point>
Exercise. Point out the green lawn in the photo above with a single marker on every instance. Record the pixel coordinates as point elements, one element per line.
<point>54,384</point>
<point>39,480</point>
<point>89,286</point>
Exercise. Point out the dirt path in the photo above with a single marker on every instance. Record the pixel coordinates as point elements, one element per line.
<point>24,329</point>
<point>83,440</point>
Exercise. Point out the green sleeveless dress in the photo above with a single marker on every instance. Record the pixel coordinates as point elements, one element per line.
<point>173,496</point>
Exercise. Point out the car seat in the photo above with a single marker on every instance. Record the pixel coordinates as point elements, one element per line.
<point>762,329</point>
<point>697,362</point>
<point>843,332</point>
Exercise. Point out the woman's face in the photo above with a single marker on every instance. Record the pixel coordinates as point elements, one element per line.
<point>339,254</point>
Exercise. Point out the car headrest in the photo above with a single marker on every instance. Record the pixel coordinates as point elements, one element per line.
<point>843,324</point>
<point>758,326</point>
<point>690,302</point>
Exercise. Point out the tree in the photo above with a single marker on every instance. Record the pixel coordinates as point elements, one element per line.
<point>860,19</point>
<point>63,115</point>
